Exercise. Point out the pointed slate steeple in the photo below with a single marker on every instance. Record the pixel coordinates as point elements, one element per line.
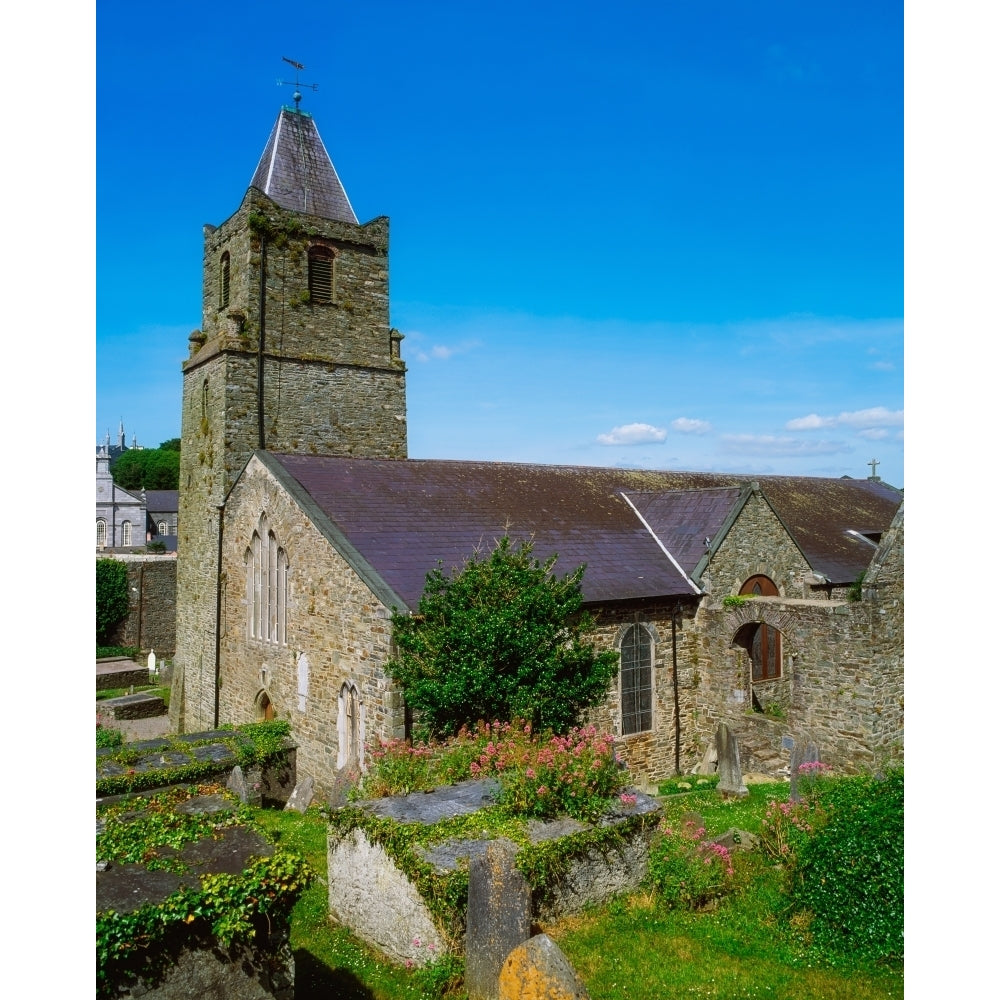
<point>296,171</point>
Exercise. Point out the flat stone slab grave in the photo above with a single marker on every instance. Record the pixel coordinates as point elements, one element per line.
<point>132,706</point>
<point>120,672</point>
<point>396,921</point>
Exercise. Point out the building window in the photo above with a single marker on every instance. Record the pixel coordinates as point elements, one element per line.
<point>637,680</point>
<point>126,532</point>
<point>102,533</point>
<point>266,586</point>
<point>762,642</point>
<point>224,281</point>
<point>161,527</point>
<point>321,274</point>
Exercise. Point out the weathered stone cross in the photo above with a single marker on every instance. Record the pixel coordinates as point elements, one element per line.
<point>873,463</point>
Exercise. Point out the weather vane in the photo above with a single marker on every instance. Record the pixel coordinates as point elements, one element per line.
<point>297,96</point>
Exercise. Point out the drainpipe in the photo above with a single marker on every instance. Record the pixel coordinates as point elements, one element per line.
<point>260,342</point>
<point>218,614</point>
<point>140,605</point>
<point>677,699</point>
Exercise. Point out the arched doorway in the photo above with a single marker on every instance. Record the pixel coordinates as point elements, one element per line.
<point>265,708</point>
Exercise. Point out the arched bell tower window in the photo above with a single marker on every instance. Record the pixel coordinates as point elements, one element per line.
<point>321,274</point>
<point>224,281</point>
<point>761,641</point>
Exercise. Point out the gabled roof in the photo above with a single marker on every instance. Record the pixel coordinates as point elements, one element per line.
<point>403,517</point>
<point>640,533</point>
<point>820,515</point>
<point>164,501</point>
<point>686,521</point>
<point>296,172</point>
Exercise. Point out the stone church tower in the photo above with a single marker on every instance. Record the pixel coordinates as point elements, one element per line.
<point>295,354</point>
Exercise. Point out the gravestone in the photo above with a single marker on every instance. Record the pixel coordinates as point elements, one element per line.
<point>151,664</point>
<point>793,777</point>
<point>301,796</point>
<point>237,784</point>
<point>538,970</point>
<point>730,773</point>
<point>498,918</point>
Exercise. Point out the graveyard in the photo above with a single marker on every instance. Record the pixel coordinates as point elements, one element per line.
<point>440,871</point>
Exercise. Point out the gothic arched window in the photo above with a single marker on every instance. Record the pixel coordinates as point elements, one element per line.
<point>102,532</point>
<point>636,680</point>
<point>266,586</point>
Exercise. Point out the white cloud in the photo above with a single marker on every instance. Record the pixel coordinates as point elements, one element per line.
<point>874,434</point>
<point>633,434</point>
<point>811,423</point>
<point>442,352</point>
<point>687,425</point>
<point>768,444</point>
<point>884,366</point>
<point>877,416</point>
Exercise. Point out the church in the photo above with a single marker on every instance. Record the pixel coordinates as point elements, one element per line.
<point>771,603</point>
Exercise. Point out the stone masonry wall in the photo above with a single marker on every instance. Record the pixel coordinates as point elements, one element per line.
<point>842,664</point>
<point>333,383</point>
<point>651,755</point>
<point>333,620</point>
<point>152,584</point>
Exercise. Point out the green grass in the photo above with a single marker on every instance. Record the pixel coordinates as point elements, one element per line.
<point>633,948</point>
<point>163,692</point>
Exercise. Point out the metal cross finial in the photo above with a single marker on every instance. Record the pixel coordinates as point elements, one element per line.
<point>297,96</point>
<point>873,463</point>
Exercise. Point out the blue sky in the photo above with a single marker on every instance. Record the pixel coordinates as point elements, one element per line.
<point>666,235</point>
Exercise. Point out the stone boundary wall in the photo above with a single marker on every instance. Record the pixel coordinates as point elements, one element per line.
<point>152,604</point>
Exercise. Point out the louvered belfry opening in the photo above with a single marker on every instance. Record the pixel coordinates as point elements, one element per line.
<point>224,282</point>
<point>320,274</point>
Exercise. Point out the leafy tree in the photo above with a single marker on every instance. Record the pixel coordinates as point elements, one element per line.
<point>112,597</point>
<point>173,444</point>
<point>502,639</point>
<point>148,469</point>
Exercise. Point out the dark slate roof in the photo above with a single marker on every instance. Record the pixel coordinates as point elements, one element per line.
<point>296,172</point>
<point>161,501</point>
<point>684,519</point>
<point>820,514</point>
<point>403,517</point>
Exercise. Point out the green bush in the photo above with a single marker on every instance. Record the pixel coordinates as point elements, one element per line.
<point>130,651</point>
<point>112,597</point>
<point>503,639</point>
<point>849,874</point>
<point>110,738</point>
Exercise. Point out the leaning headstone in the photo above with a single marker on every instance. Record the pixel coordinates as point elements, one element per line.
<point>709,762</point>
<point>730,773</point>
<point>301,796</point>
<point>498,918</point>
<point>538,970</point>
<point>237,784</point>
<point>812,754</point>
